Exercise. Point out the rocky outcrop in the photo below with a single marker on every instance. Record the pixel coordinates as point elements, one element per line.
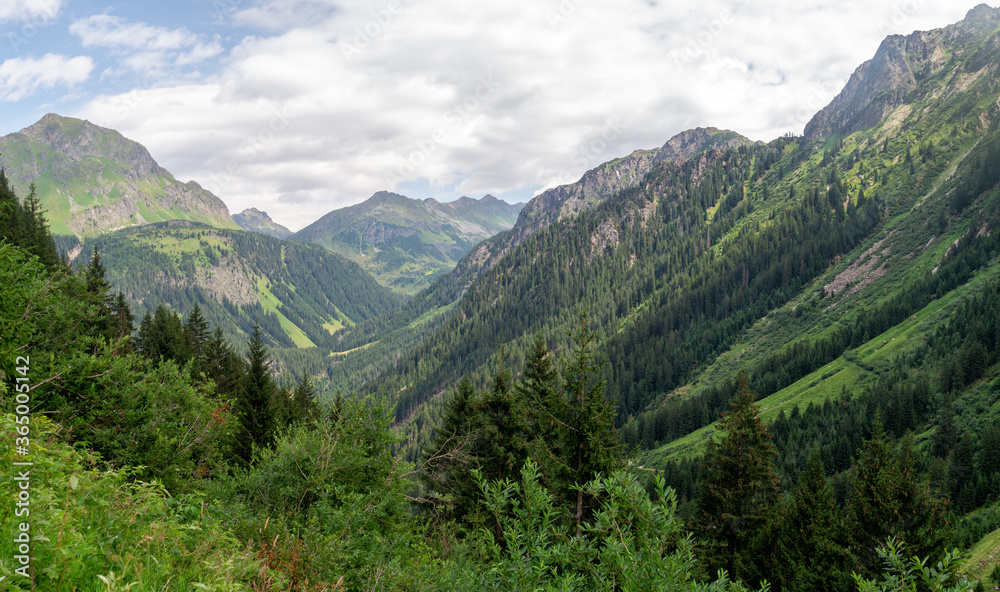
<point>606,180</point>
<point>884,82</point>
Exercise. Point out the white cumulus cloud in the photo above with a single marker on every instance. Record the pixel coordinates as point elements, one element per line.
<point>144,46</point>
<point>32,11</point>
<point>21,77</point>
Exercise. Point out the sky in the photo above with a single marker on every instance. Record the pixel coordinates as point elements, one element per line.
<point>300,107</point>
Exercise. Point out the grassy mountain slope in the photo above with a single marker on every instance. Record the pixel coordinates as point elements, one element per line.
<point>406,243</point>
<point>92,180</point>
<point>302,295</point>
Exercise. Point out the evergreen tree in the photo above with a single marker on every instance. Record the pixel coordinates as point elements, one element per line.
<point>223,365</point>
<point>739,484</point>
<point>255,398</point>
<point>539,389</point>
<point>122,320</point>
<point>304,399</point>
<point>447,460</point>
<point>592,446</point>
<point>811,551</point>
<point>887,501</point>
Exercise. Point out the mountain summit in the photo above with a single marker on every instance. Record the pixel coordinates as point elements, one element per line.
<point>408,242</point>
<point>902,63</point>
<point>92,180</point>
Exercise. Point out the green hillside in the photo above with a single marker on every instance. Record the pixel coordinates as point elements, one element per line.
<point>850,274</point>
<point>92,180</point>
<point>407,243</point>
<point>301,295</point>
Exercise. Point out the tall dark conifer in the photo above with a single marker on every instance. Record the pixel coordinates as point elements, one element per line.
<point>254,399</point>
<point>739,485</point>
<point>887,500</point>
<point>591,444</point>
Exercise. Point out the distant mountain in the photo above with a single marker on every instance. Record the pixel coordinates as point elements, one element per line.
<point>255,220</point>
<point>302,295</point>
<point>406,243</point>
<point>93,180</point>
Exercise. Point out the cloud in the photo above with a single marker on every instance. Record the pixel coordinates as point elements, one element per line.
<point>20,77</point>
<point>487,97</point>
<point>144,46</point>
<point>33,11</point>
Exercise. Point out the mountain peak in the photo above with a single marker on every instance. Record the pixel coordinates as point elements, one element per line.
<point>94,180</point>
<point>884,82</point>
<point>258,221</point>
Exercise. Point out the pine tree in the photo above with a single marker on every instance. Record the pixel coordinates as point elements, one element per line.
<point>304,399</point>
<point>539,389</point>
<point>255,398</point>
<point>196,331</point>
<point>739,484</point>
<point>222,365</point>
<point>592,446</point>
<point>887,501</point>
<point>811,551</point>
<point>447,460</point>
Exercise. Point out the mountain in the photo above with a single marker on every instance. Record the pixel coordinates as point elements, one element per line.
<point>300,294</point>
<point>93,180</point>
<point>611,177</point>
<point>903,65</point>
<point>405,243</point>
<point>255,220</point>
<point>850,274</point>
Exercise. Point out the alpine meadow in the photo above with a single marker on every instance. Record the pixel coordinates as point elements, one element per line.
<point>716,365</point>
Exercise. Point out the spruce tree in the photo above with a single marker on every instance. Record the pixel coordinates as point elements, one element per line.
<point>811,552</point>
<point>887,500</point>
<point>255,398</point>
<point>739,484</point>
<point>544,409</point>
<point>591,445</point>
<point>447,460</point>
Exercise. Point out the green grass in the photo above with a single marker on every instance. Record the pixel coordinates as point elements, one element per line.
<point>270,303</point>
<point>983,558</point>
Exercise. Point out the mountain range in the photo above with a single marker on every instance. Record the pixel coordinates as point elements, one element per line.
<point>849,273</point>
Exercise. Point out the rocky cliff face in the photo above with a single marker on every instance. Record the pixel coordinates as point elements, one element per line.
<point>93,180</point>
<point>255,220</point>
<point>604,181</point>
<point>884,82</point>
